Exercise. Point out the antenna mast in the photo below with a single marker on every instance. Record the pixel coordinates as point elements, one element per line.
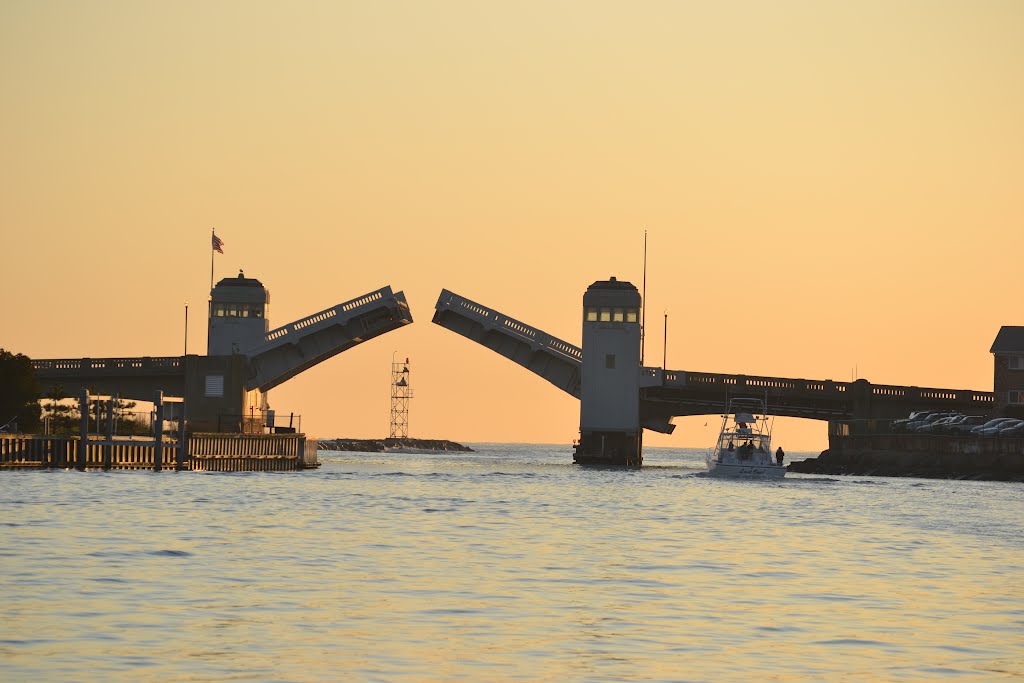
<point>643,305</point>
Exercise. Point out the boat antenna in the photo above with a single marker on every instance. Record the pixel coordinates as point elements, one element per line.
<point>643,305</point>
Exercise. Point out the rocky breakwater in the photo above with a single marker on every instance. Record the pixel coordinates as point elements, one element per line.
<point>381,445</point>
<point>920,455</point>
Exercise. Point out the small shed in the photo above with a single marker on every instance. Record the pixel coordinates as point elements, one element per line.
<point>1008,371</point>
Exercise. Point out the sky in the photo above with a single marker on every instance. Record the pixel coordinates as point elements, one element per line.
<point>829,189</point>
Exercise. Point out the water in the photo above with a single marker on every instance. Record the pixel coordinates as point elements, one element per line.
<point>507,564</point>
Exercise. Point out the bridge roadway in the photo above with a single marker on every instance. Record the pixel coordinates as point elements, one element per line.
<point>667,394</point>
<point>285,352</point>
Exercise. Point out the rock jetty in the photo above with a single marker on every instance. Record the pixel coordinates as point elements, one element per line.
<point>381,445</point>
<point>949,459</point>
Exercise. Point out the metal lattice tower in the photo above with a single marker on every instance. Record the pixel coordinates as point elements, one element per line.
<point>401,394</point>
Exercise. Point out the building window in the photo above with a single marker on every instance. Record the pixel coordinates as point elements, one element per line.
<point>618,315</point>
<point>609,361</point>
<point>1016,362</point>
<point>214,386</point>
<point>631,315</point>
<point>606,315</point>
<point>591,314</point>
<point>1016,396</point>
<point>218,310</point>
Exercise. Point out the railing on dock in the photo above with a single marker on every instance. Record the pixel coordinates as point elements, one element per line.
<point>203,452</point>
<point>252,452</point>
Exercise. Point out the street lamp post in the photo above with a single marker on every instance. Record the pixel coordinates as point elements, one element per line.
<point>664,347</point>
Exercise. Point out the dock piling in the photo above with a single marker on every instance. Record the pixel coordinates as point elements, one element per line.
<point>158,428</point>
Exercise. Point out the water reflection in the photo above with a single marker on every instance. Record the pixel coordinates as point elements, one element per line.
<point>507,564</point>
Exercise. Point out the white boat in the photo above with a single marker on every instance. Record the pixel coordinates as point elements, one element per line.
<point>744,447</point>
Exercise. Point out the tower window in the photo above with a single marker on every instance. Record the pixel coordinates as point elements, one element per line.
<point>618,315</point>
<point>606,315</point>
<point>591,314</point>
<point>609,361</point>
<point>631,315</point>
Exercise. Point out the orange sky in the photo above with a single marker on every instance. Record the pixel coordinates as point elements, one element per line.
<point>826,185</point>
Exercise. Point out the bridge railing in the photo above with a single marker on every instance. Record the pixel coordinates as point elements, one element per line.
<point>516,328</point>
<point>682,378</point>
<point>346,309</point>
<point>165,363</point>
<point>982,400</point>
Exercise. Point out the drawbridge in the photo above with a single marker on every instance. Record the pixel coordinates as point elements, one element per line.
<point>284,353</point>
<point>665,394</point>
<point>298,346</point>
<point>553,359</point>
<point>557,361</point>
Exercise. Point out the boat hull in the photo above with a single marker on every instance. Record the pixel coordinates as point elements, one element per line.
<point>746,470</point>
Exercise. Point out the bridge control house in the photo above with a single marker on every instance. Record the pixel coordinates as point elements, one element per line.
<point>610,431</point>
<point>238,324</point>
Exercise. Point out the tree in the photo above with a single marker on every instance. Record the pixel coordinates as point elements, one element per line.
<point>62,416</point>
<point>19,392</point>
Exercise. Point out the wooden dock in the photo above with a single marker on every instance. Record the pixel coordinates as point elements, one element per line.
<point>197,452</point>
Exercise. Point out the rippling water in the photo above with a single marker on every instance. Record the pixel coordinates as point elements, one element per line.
<point>507,564</point>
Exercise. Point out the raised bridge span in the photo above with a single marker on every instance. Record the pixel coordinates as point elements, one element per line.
<point>284,352</point>
<point>665,394</point>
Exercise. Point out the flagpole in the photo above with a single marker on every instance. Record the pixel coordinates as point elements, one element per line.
<point>213,232</point>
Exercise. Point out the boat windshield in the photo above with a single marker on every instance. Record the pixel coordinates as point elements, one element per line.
<point>735,441</point>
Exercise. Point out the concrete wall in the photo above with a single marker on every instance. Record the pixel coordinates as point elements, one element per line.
<point>204,411</point>
<point>920,455</point>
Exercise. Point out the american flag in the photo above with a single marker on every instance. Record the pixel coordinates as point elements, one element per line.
<point>218,243</point>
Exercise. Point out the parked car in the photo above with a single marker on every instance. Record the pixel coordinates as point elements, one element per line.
<point>906,425</point>
<point>991,427</point>
<point>964,425</point>
<point>917,425</point>
<point>937,426</point>
<point>900,425</point>
<point>1013,430</point>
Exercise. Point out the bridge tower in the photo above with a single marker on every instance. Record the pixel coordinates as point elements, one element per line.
<point>610,432</point>
<point>238,316</point>
<point>238,324</point>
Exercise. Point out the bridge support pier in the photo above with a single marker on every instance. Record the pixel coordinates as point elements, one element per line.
<point>609,449</point>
